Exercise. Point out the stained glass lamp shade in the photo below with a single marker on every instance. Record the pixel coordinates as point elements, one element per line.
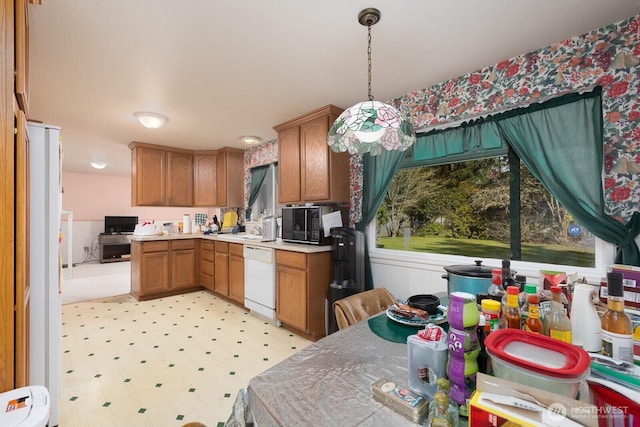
<point>370,127</point>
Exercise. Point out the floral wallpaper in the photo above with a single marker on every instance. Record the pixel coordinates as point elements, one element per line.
<point>607,57</point>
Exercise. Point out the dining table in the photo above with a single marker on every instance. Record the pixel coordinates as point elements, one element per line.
<point>329,383</point>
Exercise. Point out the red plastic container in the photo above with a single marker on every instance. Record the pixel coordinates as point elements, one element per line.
<point>537,361</point>
<point>614,409</point>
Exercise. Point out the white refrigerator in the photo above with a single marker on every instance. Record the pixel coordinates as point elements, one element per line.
<point>45,207</point>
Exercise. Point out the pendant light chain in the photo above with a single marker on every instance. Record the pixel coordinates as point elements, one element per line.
<point>369,60</point>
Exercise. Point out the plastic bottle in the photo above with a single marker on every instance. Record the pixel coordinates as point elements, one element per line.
<point>511,313</point>
<point>529,289</point>
<point>533,322</point>
<point>521,281</point>
<point>617,329</point>
<point>556,323</point>
<point>462,340</point>
<point>496,290</point>
<point>585,323</point>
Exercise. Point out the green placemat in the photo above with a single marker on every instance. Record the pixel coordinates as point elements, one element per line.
<point>389,330</point>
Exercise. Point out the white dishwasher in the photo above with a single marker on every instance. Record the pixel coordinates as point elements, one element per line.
<point>260,282</point>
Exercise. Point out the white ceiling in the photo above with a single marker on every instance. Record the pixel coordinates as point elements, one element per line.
<point>223,69</point>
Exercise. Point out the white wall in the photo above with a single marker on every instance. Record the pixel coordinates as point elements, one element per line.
<point>91,197</point>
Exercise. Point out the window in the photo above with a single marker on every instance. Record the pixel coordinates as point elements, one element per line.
<point>560,142</point>
<point>264,191</point>
<point>479,208</point>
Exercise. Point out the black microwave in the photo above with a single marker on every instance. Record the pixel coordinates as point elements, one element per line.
<point>303,224</point>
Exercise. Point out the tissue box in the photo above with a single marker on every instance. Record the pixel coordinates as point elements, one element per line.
<point>490,406</point>
<point>427,351</point>
<point>549,278</point>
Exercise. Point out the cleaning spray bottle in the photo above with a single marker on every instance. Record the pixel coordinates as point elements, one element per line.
<point>586,330</point>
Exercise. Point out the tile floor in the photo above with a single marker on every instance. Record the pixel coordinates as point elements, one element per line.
<point>163,362</point>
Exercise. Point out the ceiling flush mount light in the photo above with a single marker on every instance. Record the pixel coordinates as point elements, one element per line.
<point>98,165</point>
<point>151,120</point>
<point>250,140</point>
<point>370,126</point>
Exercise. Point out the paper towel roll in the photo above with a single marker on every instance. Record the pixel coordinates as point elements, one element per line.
<point>186,224</point>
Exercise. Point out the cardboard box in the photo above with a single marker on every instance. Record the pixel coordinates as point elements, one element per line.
<point>497,401</point>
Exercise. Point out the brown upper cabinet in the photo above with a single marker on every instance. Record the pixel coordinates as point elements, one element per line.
<point>160,176</point>
<point>205,172</point>
<point>22,55</point>
<point>230,177</point>
<point>308,170</point>
<point>166,176</point>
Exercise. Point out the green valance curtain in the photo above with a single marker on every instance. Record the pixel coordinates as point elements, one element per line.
<point>257,178</point>
<point>471,141</point>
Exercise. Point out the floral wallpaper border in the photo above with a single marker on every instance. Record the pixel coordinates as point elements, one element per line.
<point>607,57</point>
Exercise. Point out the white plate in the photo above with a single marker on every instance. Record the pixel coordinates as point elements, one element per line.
<point>436,319</point>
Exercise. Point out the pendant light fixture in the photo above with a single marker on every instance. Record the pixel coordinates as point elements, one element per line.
<point>370,126</point>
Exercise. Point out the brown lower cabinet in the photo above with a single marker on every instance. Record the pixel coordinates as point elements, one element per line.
<point>302,283</point>
<point>236,272</point>
<point>221,281</point>
<point>160,268</point>
<point>207,266</point>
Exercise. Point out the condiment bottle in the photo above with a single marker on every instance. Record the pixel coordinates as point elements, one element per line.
<point>496,290</point>
<point>483,356</point>
<point>529,289</point>
<point>439,416</point>
<point>507,276</point>
<point>617,330</point>
<point>585,322</point>
<point>511,313</point>
<point>444,385</point>
<point>491,313</point>
<point>533,323</point>
<point>556,323</point>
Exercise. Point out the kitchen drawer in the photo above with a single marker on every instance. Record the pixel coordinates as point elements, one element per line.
<point>206,267</point>
<point>291,259</point>
<point>236,249</point>
<point>207,255</point>
<point>222,247</point>
<point>159,246</point>
<point>177,245</point>
<point>206,245</point>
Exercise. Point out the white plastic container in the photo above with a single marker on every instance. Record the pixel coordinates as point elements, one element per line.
<point>537,361</point>
<point>25,407</point>
<point>427,354</point>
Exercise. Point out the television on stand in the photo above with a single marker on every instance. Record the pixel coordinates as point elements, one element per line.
<point>120,224</point>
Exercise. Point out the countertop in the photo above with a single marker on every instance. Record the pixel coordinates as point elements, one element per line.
<point>241,238</point>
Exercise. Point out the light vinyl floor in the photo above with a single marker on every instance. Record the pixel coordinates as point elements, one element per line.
<point>163,362</point>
